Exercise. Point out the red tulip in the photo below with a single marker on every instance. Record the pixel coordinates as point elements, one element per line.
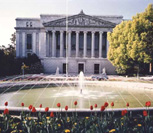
<point>30,107</point>
<point>52,114</point>
<point>40,106</point>
<point>112,104</point>
<point>102,108</point>
<point>106,104</point>
<point>59,105</point>
<point>95,105</point>
<point>145,113</point>
<point>75,103</point>
<point>6,111</point>
<point>22,104</point>
<point>124,112</point>
<point>33,109</point>
<point>91,107</point>
<point>66,108</point>
<point>148,104</point>
<point>46,109</point>
<point>6,103</point>
<point>127,104</point>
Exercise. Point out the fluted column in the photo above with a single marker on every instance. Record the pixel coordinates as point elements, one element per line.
<point>93,45</point>
<point>17,45</point>
<point>69,44</point>
<point>77,43</point>
<point>47,44</point>
<point>100,43</point>
<point>34,42</point>
<point>107,47</point>
<point>61,44</point>
<point>85,44</point>
<point>53,44</point>
<point>23,45</point>
<point>50,44</point>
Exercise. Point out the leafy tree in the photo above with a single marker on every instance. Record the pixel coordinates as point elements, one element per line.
<point>131,42</point>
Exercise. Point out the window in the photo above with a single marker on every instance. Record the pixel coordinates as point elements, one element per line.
<point>64,68</point>
<point>30,24</point>
<point>27,24</point>
<point>29,41</point>
<point>96,69</point>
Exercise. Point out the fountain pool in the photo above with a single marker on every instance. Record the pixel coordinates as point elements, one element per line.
<point>49,93</point>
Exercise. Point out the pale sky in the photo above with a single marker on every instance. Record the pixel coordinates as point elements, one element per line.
<point>11,9</point>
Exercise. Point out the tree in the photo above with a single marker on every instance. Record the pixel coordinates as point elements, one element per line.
<point>131,42</point>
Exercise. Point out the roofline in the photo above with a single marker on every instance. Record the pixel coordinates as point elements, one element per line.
<point>28,19</point>
<point>64,15</point>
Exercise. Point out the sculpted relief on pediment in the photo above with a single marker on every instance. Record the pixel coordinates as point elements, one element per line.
<point>80,20</point>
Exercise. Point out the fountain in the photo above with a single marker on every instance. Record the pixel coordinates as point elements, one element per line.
<point>81,81</point>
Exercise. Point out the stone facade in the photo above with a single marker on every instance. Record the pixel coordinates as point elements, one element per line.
<point>77,40</point>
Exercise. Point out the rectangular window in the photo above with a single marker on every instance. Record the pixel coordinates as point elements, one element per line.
<point>29,41</point>
<point>64,68</point>
<point>96,68</point>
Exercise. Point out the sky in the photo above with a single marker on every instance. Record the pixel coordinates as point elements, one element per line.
<point>11,9</point>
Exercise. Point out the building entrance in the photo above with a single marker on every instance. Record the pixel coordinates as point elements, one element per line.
<point>80,67</point>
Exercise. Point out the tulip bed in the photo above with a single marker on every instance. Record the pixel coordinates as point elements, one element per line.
<point>101,121</point>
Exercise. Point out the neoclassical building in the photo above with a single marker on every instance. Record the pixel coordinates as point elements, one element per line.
<point>79,40</point>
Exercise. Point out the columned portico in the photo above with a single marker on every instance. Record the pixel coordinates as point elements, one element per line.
<point>52,48</point>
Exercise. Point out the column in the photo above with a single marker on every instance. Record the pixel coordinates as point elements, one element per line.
<point>17,45</point>
<point>107,47</point>
<point>61,43</point>
<point>50,44</point>
<point>100,43</point>
<point>77,43</point>
<point>42,44</point>
<point>85,44</point>
<point>23,45</point>
<point>47,44</point>
<point>69,44</point>
<point>34,42</point>
<point>53,44</point>
<point>93,45</point>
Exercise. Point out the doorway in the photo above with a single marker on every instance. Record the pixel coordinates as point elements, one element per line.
<point>80,67</point>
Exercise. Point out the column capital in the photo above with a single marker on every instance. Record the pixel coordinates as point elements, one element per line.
<point>101,32</point>
<point>61,31</point>
<point>69,31</point>
<point>85,32</point>
<point>93,32</point>
<point>53,31</point>
<point>46,31</point>
<point>77,32</point>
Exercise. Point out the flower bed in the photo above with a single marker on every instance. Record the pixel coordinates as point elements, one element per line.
<point>59,122</point>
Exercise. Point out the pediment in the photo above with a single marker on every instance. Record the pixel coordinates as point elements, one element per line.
<point>80,20</point>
